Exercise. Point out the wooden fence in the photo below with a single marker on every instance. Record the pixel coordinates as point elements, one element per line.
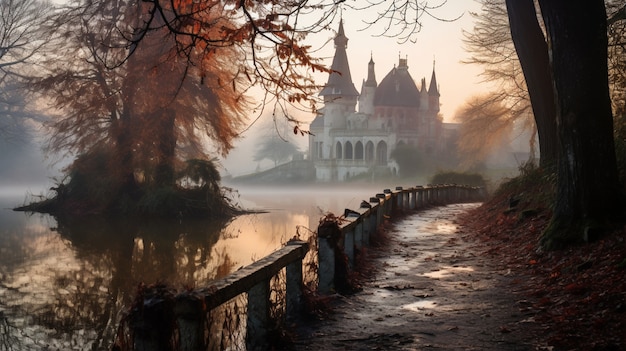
<point>179,322</point>
<point>340,240</point>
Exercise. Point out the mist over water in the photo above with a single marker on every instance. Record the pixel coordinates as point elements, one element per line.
<point>66,282</point>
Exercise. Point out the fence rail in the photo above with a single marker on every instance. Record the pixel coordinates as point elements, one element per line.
<point>341,240</point>
<point>338,243</point>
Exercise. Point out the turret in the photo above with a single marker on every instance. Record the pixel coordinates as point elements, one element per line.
<point>368,90</point>
<point>433,92</point>
<point>340,80</point>
<point>424,97</point>
<point>340,95</point>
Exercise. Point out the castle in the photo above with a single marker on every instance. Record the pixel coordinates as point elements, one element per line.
<point>346,142</point>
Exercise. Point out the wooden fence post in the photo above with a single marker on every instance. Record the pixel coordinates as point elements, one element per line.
<point>153,322</point>
<point>191,316</point>
<point>293,303</point>
<point>327,235</point>
<point>258,316</point>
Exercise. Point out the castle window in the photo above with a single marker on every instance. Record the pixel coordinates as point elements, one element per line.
<point>381,153</point>
<point>348,150</point>
<point>358,151</point>
<point>338,151</point>
<point>369,151</point>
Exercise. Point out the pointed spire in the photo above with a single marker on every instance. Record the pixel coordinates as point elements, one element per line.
<point>340,79</point>
<point>371,74</point>
<point>341,41</point>
<point>433,89</point>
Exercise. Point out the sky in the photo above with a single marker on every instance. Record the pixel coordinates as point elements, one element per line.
<point>438,41</point>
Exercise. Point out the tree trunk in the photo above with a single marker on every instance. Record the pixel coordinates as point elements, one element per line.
<point>588,191</point>
<point>124,157</point>
<point>166,148</point>
<point>532,52</point>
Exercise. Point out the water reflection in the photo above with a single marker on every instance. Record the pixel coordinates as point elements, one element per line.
<point>64,285</point>
<point>65,281</point>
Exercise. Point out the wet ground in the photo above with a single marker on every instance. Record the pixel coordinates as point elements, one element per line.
<point>432,290</point>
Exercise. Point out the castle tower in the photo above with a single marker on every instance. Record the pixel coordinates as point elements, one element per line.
<point>424,97</point>
<point>433,92</point>
<point>340,86</point>
<point>368,90</point>
<point>340,99</point>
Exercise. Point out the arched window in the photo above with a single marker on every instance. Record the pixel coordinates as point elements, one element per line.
<point>338,151</point>
<point>381,153</point>
<point>348,150</point>
<point>358,151</point>
<point>369,151</point>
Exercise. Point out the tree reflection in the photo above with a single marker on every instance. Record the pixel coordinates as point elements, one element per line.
<point>98,262</point>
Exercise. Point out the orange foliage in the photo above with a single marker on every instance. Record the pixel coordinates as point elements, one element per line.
<point>486,123</point>
<point>158,106</point>
<point>152,81</point>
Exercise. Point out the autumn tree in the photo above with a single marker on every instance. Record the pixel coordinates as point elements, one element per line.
<point>145,112</point>
<point>492,47</point>
<point>588,192</point>
<point>183,104</point>
<point>573,54</point>
<point>485,126</point>
<point>531,49</point>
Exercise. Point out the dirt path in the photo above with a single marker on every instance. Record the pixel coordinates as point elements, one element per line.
<point>432,291</point>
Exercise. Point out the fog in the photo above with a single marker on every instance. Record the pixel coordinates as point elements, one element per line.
<point>239,160</point>
<point>25,168</point>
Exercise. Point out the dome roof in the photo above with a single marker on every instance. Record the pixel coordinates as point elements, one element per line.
<point>397,88</point>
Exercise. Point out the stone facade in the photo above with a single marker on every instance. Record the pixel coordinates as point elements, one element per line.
<point>346,142</point>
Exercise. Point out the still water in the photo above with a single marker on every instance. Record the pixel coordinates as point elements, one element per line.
<point>64,284</point>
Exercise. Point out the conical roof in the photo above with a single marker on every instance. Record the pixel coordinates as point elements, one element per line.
<point>371,74</point>
<point>340,79</point>
<point>433,89</point>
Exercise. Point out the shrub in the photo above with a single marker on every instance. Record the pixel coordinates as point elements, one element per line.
<point>451,177</point>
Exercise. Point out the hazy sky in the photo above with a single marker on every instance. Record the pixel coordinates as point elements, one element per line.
<point>438,40</point>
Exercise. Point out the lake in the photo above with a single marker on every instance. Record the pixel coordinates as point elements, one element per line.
<point>64,283</point>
